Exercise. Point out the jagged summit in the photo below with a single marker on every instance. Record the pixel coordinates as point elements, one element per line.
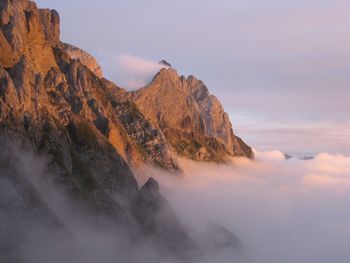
<point>165,63</point>
<point>192,120</point>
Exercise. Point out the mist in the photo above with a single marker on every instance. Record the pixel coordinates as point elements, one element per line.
<point>282,210</point>
<point>289,211</point>
<point>129,71</point>
<point>41,222</point>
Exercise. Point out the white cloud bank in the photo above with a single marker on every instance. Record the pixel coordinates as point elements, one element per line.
<point>288,211</point>
<point>284,211</point>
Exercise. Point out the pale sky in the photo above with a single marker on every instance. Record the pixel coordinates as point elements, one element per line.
<point>280,68</point>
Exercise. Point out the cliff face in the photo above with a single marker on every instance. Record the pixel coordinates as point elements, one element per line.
<point>41,74</point>
<point>193,121</point>
<point>85,58</point>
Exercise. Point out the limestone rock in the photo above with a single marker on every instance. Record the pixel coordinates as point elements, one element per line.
<point>50,20</point>
<point>23,34</point>
<point>165,63</point>
<point>193,121</point>
<point>85,58</point>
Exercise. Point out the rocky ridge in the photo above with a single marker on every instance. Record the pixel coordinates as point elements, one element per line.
<point>85,58</point>
<point>192,120</point>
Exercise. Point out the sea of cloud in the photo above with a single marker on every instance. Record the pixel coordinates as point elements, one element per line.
<point>283,211</point>
<point>289,211</point>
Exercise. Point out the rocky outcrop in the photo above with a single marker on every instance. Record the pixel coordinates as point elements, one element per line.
<point>165,63</point>
<point>193,121</point>
<point>85,58</point>
<point>50,20</point>
<point>23,35</point>
<point>217,121</point>
<point>151,211</point>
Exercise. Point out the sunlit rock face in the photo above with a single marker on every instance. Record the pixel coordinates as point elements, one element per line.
<point>47,79</point>
<point>193,121</point>
<point>85,58</point>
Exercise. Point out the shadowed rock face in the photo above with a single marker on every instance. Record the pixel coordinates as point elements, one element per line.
<point>21,206</point>
<point>156,218</point>
<point>221,238</point>
<point>193,121</point>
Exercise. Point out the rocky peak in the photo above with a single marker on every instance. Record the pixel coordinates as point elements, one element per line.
<point>156,217</point>
<point>165,74</point>
<point>151,187</point>
<point>165,63</point>
<point>193,121</point>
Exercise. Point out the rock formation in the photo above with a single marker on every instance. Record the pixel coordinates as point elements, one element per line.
<point>156,217</point>
<point>85,58</point>
<point>193,121</point>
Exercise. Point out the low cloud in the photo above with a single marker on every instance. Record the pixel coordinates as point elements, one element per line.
<point>283,210</point>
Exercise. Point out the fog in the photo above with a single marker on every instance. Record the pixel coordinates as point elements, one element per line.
<point>40,222</point>
<point>282,210</point>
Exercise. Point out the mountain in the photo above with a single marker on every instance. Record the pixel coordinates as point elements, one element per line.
<point>192,120</point>
<point>56,106</point>
<point>173,114</point>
